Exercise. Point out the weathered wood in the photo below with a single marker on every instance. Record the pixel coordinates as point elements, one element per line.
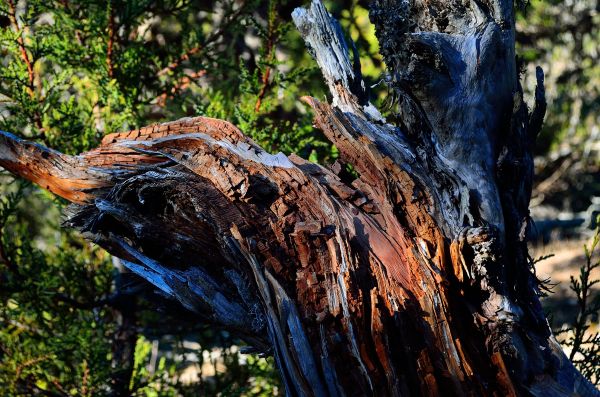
<point>413,279</point>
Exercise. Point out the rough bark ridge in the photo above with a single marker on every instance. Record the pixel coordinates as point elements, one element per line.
<point>413,279</point>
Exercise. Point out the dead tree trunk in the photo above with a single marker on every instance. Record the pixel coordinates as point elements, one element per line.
<point>413,279</point>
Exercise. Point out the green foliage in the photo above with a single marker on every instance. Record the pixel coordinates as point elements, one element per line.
<point>222,372</point>
<point>40,348</point>
<point>563,38</point>
<point>72,72</point>
<point>582,337</point>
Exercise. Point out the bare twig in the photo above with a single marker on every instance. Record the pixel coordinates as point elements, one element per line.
<point>29,363</point>
<point>112,300</point>
<point>268,58</point>
<point>197,49</point>
<point>85,380</point>
<point>12,15</point>
<point>263,90</point>
<point>184,57</point>
<point>181,84</point>
<point>109,47</point>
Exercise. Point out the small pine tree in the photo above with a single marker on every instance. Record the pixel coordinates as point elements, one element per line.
<point>581,337</point>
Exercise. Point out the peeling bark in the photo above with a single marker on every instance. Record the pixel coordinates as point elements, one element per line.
<point>413,279</point>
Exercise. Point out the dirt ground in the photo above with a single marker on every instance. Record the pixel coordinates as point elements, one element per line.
<point>569,256</point>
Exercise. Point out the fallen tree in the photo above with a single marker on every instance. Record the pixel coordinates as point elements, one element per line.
<point>411,278</point>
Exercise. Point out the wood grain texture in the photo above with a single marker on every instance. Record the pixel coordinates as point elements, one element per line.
<point>412,279</point>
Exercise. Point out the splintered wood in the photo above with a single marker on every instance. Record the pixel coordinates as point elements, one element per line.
<point>411,279</point>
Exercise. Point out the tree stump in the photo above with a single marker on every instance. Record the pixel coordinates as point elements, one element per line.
<point>412,279</point>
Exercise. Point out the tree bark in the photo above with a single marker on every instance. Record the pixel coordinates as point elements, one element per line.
<point>412,279</point>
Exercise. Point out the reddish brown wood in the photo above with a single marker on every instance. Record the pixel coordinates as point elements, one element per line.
<point>411,279</point>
